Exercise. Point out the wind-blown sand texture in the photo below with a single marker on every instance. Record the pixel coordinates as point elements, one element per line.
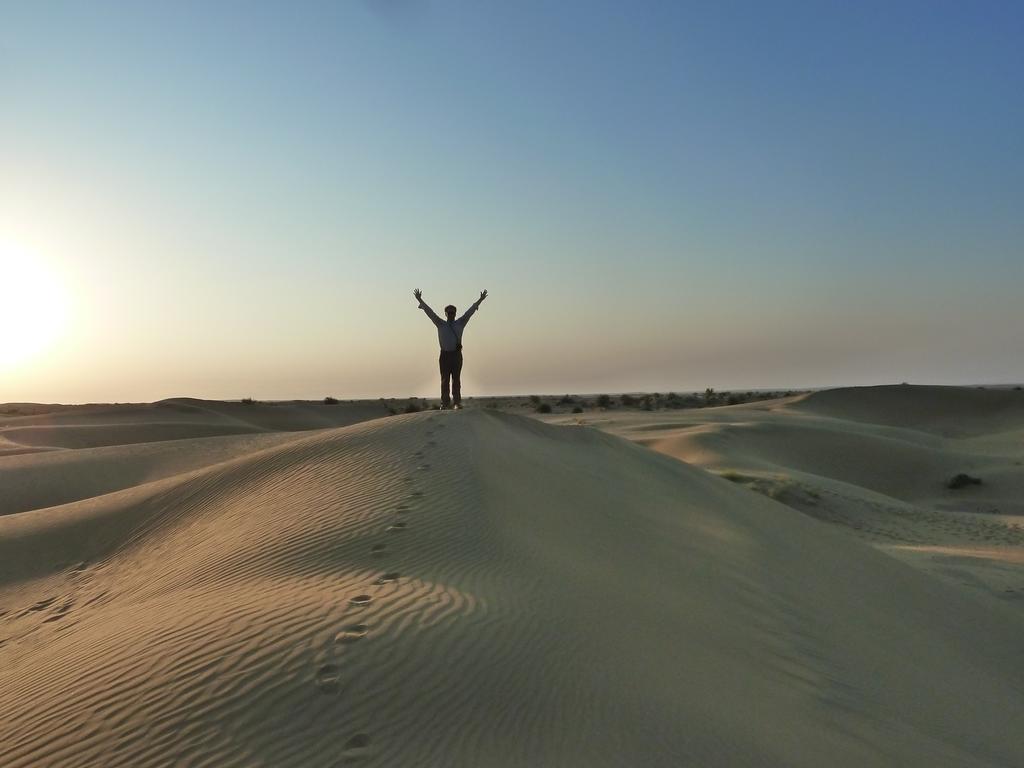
<point>478,589</point>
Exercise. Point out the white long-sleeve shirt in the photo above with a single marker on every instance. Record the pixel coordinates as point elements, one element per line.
<point>449,335</point>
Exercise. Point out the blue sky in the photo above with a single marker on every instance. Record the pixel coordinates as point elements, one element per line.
<point>240,197</point>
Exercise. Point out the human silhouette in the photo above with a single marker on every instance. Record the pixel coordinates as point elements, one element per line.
<point>449,336</point>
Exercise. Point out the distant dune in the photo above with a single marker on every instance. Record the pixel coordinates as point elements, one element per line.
<point>875,461</point>
<point>948,411</point>
<point>121,446</point>
<point>480,589</point>
<point>181,418</point>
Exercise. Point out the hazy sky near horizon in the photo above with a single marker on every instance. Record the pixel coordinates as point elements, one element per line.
<point>235,198</point>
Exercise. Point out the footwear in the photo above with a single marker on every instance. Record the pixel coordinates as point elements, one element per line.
<point>457,406</point>
<point>443,407</point>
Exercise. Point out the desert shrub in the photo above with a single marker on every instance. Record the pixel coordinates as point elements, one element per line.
<point>710,396</point>
<point>577,409</point>
<point>566,400</point>
<point>604,401</point>
<point>734,399</point>
<point>412,408</point>
<point>962,480</point>
<point>330,400</point>
<point>672,400</point>
<point>733,476</point>
<point>627,400</point>
<point>535,399</point>
<point>248,401</point>
<point>543,408</point>
<point>391,411</point>
<point>1018,388</point>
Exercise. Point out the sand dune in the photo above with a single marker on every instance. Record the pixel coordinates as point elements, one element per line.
<point>475,589</point>
<point>949,411</point>
<point>51,478</point>
<point>120,446</point>
<point>874,460</point>
<point>897,465</point>
<point>181,418</point>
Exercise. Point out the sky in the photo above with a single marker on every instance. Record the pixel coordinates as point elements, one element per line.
<point>237,199</point>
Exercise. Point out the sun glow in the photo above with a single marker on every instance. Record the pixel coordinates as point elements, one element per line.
<point>33,307</point>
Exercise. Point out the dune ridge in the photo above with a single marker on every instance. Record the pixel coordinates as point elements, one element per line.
<point>479,589</point>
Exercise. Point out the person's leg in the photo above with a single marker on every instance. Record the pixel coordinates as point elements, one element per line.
<point>457,378</point>
<point>444,363</point>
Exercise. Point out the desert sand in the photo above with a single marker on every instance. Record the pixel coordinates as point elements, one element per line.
<point>194,583</point>
<point>875,461</point>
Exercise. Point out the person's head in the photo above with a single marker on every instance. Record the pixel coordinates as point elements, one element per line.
<point>450,311</point>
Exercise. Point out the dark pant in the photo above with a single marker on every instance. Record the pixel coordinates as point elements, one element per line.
<point>451,370</point>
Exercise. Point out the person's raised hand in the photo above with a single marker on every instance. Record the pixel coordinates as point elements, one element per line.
<point>483,295</point>
<point>418,294</point>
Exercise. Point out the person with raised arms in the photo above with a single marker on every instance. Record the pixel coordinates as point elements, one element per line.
<point>449,336</point>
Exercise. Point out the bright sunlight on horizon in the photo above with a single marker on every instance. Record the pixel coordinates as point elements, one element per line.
<point>33,310</point>
<point>229,200</point>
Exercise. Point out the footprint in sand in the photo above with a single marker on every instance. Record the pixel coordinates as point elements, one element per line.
<point>355,747</point>
<point>360,601</point>
<point>396,527</point>
<point>39,606</point>
<point>431,443</point>
<point>378,550</point>
<point>351,634</point>
<point>387,578</point>
<point>423,467</point>
<point>95,598</point>
<point>60,612</point>
<point>416,494</point>
<point>403,508</point>
<point>328,678</point>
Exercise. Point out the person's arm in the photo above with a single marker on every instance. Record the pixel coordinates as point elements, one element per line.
<point>476,305</point>
<point>423,305</point>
